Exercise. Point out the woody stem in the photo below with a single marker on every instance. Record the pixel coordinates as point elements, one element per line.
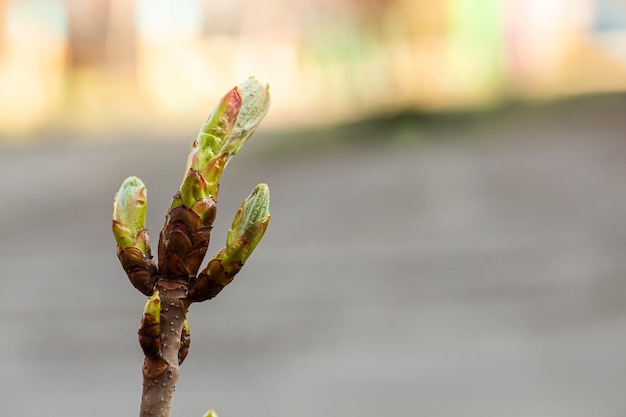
<point>160,376</point>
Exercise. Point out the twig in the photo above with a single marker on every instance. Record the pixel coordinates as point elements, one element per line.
<point>174,283</point>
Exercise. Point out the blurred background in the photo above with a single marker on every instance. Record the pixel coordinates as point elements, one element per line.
<point>447,180</point>
<point>117,63</point>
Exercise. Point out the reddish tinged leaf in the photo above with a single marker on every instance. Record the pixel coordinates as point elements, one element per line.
<point>216,129</point>
<point>256,103</point>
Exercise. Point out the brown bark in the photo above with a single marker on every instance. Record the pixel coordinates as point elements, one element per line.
<point>160,375</point>
<point>166,345</point>
<point>165,340</point>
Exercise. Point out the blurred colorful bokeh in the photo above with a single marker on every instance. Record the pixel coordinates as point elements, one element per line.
<point>102,64</point>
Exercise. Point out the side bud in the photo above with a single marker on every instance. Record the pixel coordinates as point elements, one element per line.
<point>244,235</point>
<point>131,236</point>
<point>129,214</point>
<point>247,229</point>
<point>150,329</point>
<point>227,129</point>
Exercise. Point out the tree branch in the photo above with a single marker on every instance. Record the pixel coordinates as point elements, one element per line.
<point>172,284</point>
<point>160,374</point>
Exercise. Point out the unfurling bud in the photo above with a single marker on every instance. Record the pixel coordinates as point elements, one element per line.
<point>210,413</point>
<point>216,129</point>
<point>256,103</point>
<point>185,236</point>
<point>133,242</point>
<point>245,233</point>
<point>129,215</point>
<point>150,329</point>
<point>248,228</point>
<point>231,123</point>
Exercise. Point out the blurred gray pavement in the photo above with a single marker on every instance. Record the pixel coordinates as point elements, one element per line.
<point>481,274</point>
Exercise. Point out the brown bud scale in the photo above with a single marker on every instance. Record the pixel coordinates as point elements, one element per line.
<point>141,270</point>
<point>211,281</point>
<point>149,336</point>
